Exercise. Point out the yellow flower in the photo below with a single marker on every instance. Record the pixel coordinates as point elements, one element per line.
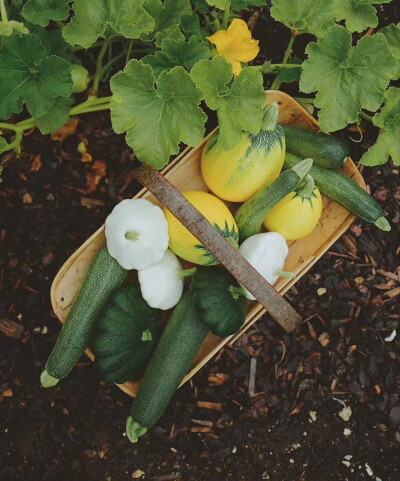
<point>235,44</point>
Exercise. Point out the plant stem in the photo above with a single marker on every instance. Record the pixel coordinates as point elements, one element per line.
<point>186,272</point>
<point>6,126</point>
<point>288,52</point>
<point>3,11</point>
<point>225,18</point>
<point>93,104</point>
<point>128,53</point>
<point>365,116</point>
<point>99,65</point>
<point>304,100</point>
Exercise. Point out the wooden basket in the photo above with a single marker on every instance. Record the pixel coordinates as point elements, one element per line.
<point>184,173</point>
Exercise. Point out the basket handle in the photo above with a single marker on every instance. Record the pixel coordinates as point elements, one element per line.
<point>219,247</point>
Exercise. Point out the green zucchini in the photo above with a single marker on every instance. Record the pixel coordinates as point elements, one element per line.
<point>339,187</point>
<point>179,344</point>
<point>103,276</point>
<point>249,218</point>
<point>326,150</point>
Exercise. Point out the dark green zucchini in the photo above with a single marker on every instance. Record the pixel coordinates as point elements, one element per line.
<point>339,187</point>
<point>249,218</point>
<point>326,150</point>
<point>179,344</point>
<point>103,276</point>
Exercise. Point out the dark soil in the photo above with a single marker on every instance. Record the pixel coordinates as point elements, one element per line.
<point>291,430</point>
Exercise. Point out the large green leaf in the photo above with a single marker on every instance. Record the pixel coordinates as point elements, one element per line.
<point>52,41</point>
<point>392,34</point>
<point>156,120</point>
<point>315,16</point>
<point>166,17</point>
<point>40,12</point>
<point>3,147</point>
<point>243,4</point>
<point>190,25</point>
<point>358,14</point>
<point>388,142</point>
<point>239,103</point>
<point>305,16</point>
<point>346,78</point>
<point>201,5</point>
<point>221,4</point>
<point>100,18</point>
<point>56,117</point>
<point>28,75</point>
<point>177,52</point>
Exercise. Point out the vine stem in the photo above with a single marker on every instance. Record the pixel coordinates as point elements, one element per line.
<point>128,53</point>
<point>304,100</point>
<point>365,116</point>
<point>225,18</point>
<point>288,52</point>
<point>99,65</point>
<point>3,11</point>
<point>93,104</point>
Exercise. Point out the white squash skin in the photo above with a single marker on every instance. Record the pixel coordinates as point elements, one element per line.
<point>266,252</point>
<point>149,221</point>
<point>160,283</point>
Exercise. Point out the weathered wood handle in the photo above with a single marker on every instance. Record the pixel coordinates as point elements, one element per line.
<point>219,247</point>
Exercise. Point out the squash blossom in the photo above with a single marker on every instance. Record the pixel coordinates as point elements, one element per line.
<point>235,44</point>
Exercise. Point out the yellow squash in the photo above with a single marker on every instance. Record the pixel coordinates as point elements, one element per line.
<point>298,213</point>
<point>235,175</point>
<point>185,245</point>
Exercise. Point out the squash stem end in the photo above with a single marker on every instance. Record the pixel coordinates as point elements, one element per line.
<point>134,430</point>
<point>46,380</point>
<point>382,224</point>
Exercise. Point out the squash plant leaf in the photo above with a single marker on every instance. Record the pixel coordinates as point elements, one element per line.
<point>95,18</point>
<point>201,6</point>
<point>243,4</point>
<point>177,52</point>
<point>166,17</point>
<point>40,12</point>
<point>221,4</point>
<point>56,117</point>
<point>289,75</point>
<point>190,25</point>
<point>3,146</point>
<point>316,16</point>
<point>156,118</point>
<point>387,144</point>
<point>28,75</point>
<point>305,16</point>
<point>52,41</point>
<point>392,34</point>
<point>346,78</point>
<point>239,103</point>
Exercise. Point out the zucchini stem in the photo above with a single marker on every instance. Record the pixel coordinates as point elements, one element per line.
<point>134,430</point>
<point>303,167</point>
<point>46,380</point>
<point>237,292</point>
<point>382,224</point>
